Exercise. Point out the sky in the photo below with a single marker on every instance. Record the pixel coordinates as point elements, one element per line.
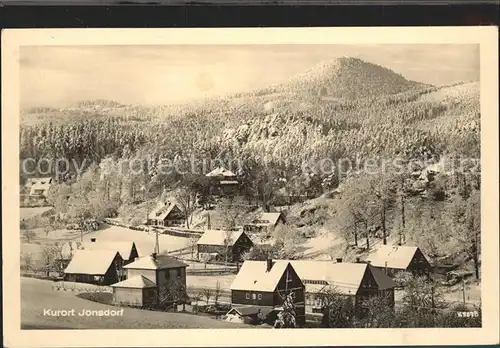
<point>58,76</point>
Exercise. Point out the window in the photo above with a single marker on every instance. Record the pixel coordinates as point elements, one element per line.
<point>260,297</point>
<point>254,296</point>
<point>247,296</point>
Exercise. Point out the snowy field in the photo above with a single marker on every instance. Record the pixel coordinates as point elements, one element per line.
<point>144,241</point>
<point>210,281</point>
<point>26,213</point>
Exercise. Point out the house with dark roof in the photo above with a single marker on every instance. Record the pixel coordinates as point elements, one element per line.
<point>393,259</point>
<point>262,286</point>
<point>360,281</point>
<point>266,222</point>
<point>166,273</point>
<point>166,214</point>
<point>217,244</point>
<point>102,267</point>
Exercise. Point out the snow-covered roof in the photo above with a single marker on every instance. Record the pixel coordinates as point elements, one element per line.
<point>345,277</point>
<point>157,262</point>
<point>219,171</point>
<point>253,276</point>
<point>123,247</point>
<point>219,237</point>
<point>397,257</point>
<point>93,262</point>
<point>162,210</point>
<point>267,219</point>
<point>137,282</point>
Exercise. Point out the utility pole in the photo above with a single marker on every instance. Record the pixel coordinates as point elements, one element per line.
<point>157,243</point>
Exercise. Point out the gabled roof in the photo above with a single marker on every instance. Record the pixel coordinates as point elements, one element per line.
<point>346,277</point>
<point>267,219</point>
<point>123,247</point>
<point>158,262</point>
<point>93,262</point>
<point>162,210</point>
<point>219,171</point>
<point>137,282</point>
<point>253,276</point>
<point>218,237</point>
<point>397,257</point>
<point>382,279</point>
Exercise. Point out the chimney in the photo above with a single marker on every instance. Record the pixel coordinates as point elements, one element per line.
<point>269,265</point>
<point>339,260</point>
<point>368,262</point>
<point>358,260</point>
<point>92,240</point>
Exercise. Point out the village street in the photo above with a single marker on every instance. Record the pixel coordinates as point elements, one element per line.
<point>37,296</point>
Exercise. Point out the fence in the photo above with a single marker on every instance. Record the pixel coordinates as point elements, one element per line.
<point>40,275</point>
<point>184,234</point>
<point>121,224</point>
<point>80,287</point>
<point>211,271</point>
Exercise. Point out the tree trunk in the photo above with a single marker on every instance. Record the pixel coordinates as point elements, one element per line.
<point>356,235</point>
<point>475,257</point>
<point>384,230</point>
<point>367,236</point>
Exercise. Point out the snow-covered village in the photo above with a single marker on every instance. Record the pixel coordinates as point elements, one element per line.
<point>340,189</point>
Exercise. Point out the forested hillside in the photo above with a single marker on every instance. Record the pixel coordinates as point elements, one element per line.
<point>284,139</point>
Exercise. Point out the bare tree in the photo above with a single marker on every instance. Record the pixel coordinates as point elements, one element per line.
<point>207,293</point>
<point>384,191</point>
<point>186,199</point>
<point>172,292</point>
<point>193,240</point>
<point>26,262</point>
<point>217,293</point>
<point>467,212</point>
<point>228,246</point>
<point>49,257</point>
<point>287,238</point>
<point>195,297</point>
<point>359,210</point>
<point>231,214</point>
<point>338,309</point>
<point>29,235</point>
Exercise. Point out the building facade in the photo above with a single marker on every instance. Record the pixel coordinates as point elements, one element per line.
<point>217,244</point>
<point>265,285</point>
<point>100,267</point>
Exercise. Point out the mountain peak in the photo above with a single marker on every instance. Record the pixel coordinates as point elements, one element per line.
<point>348,78</point>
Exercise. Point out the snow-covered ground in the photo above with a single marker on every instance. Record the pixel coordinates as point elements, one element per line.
<point>210,281</point>
<point>144,241</point>
<point>26,213</point>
